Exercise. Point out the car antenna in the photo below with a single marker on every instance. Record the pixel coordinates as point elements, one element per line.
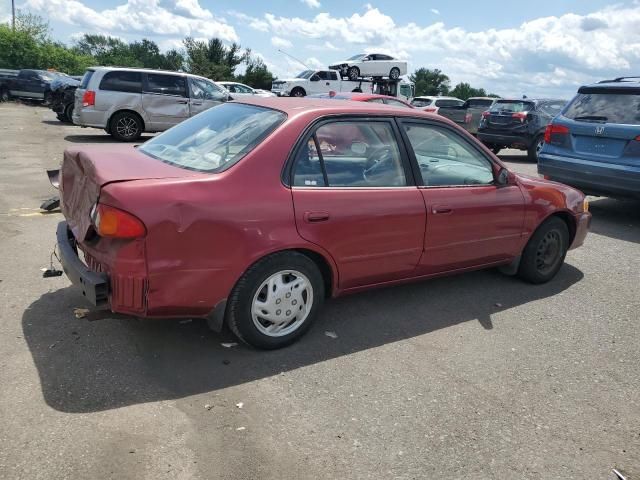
<point>299,61</point>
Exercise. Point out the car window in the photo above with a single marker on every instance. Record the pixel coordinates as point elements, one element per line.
<point>383,57</point>
<point>449,103</point>
<point>480,103</point>
<point>333,75</point>
<point>243,89</point>
<point>511,106</point>
<point>375,100</point>
<point>622,108</point>
<point>552,108</point>
<point>324,75</point>
<point>204,90</point>
<point>215,139</point>
<point>421,102</point>
<point>231,87</point>
<point>84,83</point>
<point>351,154</point>
<point>445,159</point>
<point>166,84</point>
<point>395,103</point>
<point>122,81</point>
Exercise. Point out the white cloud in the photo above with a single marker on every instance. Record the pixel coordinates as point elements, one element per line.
<point>524,59</point>
<point>281,42</point>
<point>435,11</point>
<point>149,17</point>
<point>311,3</point>
<point>255,23</point>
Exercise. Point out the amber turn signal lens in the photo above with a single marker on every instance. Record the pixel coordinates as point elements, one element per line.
<point>115,223</point>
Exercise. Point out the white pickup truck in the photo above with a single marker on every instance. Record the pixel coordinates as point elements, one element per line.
<point>310,82</point>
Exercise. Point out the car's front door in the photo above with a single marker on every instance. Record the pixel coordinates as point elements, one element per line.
<point>471,220</point>
<point>164,99</point>
<point>203,95</point>
<point>355,197</point>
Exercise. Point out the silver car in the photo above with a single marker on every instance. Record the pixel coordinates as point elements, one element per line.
<point>128,101</point>
<point>239,90</point>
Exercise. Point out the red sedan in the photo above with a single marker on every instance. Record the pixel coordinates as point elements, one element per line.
<point>253,213</point>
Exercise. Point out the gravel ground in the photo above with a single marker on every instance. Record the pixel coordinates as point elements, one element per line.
<point>477,376</point>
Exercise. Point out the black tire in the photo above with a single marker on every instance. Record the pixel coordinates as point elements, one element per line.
<point>61,117</point>
<point>4,95</point>
<point>496,150</point>
<point>394,74</point>
<point>298,92</point>
<point>535,147</point>
<point>353,73</point>
<point>125,126</point>
<point>46,99</point>
<point>545,252</point>
<point>239,316</point>
<point>357,90</point>
<point>68,112</point>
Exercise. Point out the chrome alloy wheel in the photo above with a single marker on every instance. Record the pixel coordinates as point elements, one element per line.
<point>127,127</point>
<point>282,303</point>
<point>539,145</point>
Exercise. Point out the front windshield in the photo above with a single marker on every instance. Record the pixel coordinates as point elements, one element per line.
<point>356,57</point>
<point>305,74</point>
<point>216,139</point>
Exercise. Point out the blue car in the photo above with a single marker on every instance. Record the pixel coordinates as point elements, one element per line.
<point>594,143</point>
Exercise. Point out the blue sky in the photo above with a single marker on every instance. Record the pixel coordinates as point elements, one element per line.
<point>510,48</point>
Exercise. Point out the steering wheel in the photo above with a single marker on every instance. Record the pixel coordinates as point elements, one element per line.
<point>378,159</point>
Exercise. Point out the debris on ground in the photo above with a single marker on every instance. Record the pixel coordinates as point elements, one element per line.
<point>241,428</point>
<point>80,312</point>
<point>499,305</point>
<point>331,334</point>
<point>229,344</point>
<point>240,404</point>
<point>188,320</point>
<point>208,407</point>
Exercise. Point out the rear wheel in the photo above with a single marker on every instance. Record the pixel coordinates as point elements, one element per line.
<point>533,151</point>
<point>68,112</point>
<point>545,252</point>
<point>276,300</point>
<point>394,74</point>
<point>353,73</point>
<point>125,126</point>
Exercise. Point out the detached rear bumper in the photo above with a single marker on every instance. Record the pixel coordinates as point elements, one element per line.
<point>94,285</point>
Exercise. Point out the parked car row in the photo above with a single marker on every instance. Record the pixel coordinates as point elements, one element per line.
<point>29,84</point>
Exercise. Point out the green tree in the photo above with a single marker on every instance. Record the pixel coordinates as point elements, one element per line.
<point>213,59</point>
<point>257,74</point>
<point>430,82</point>
<point>464,90</point>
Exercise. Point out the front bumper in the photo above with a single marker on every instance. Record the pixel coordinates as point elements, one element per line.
<point>94,285</point>
<point>583,223</point>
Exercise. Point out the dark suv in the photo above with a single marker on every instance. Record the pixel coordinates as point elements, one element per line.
<point>594,144</point>
<point>518,124</point>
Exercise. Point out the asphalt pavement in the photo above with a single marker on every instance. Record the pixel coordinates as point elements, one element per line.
<point>478,376</point>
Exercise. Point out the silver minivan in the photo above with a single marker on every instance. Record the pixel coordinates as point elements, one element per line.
<point>128,101</point>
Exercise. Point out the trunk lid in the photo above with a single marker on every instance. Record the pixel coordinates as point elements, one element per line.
<point>503,114</point>
<point>86,170</point>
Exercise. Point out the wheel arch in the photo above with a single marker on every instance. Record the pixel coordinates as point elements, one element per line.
<point>567,218</point>
<point>298,87</point>
<point>127,110</point>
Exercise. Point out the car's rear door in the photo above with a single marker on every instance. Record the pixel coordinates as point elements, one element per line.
<point>471,221</point>
<point>165,100</point>
<point>354,196</point>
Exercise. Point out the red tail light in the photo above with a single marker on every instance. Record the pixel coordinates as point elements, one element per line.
<point>89,98</point>
<point>430,109</point>
<point>486,114</point>
<point>637,139</point>
<point>522,116</point>
<point>467,118</point>
<point>554,130</point>
<point>115,223</point>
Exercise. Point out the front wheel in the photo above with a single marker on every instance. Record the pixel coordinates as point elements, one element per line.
<point>298,92</point>
<point>394,74</point>
<point>353,73</point>
<point>545,252</point>
<point>276,300</point>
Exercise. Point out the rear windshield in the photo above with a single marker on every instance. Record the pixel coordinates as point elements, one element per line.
<point>449,103</point>
<point>216,139</point>
<point>606,107</point>
<point>480,103</point>
<point>421,102</point>
<point>511,106</point>
<point>85,79</point>
<point>122,81</point>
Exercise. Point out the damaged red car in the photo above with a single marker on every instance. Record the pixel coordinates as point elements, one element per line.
<point>254,213</point>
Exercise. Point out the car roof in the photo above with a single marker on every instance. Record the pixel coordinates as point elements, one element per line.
<point>622,83</point>
<point>293,106</point>
<point>436,97</point>
<point>533,100</point>
<point>139,69</point>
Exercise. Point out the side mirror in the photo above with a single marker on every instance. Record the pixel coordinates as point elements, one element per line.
<point>315,78</point>
<point>503,177</point>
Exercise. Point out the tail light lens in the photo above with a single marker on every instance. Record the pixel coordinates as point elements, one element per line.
<point>89,98</point>
<point>430,109</point>
<point>115,223</point>
<point>552,130</point>
<point>522,116</point>
<point>467,118</point>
